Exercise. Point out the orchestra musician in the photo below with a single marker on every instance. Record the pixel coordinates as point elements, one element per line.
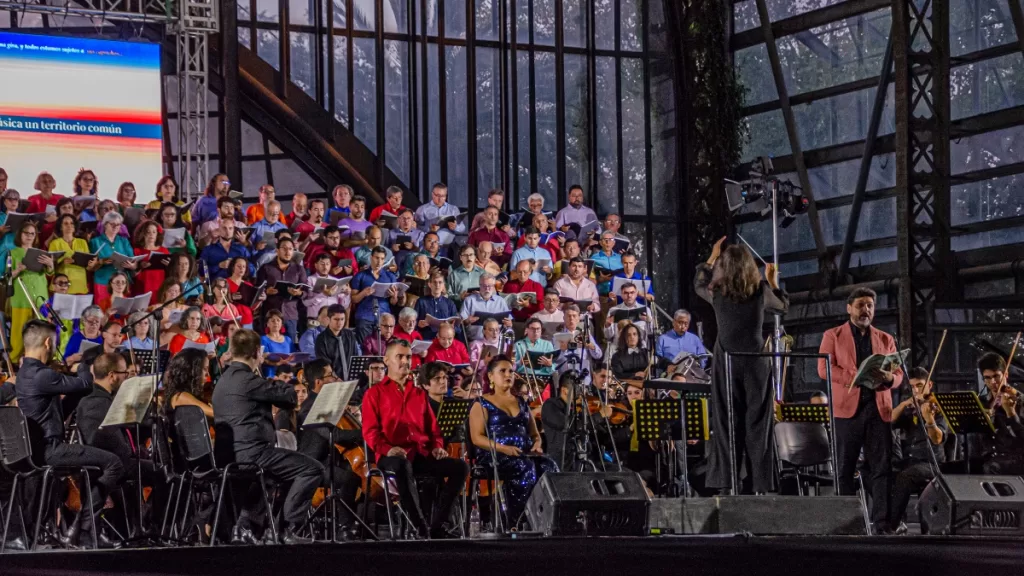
<point>242,402</point>
<point>862,415</point>
<point>730,281</point>
<point>403,433</point>
<point>39,391</point>
<point>1007,409</point>
<point>502,422</point>
<point>915,467</point>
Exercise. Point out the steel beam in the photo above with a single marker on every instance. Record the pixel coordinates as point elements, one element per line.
<point>791,129</point>
<point>231,113</point>
<point>806,21</point>
<point>865,161</point>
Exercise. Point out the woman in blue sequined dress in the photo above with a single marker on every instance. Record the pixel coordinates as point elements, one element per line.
<point>505,419</point>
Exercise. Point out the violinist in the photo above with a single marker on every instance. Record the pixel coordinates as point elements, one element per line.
<point>316,443</point>
<point>914,471</point>
<point>501,421</point>
<point>1007,409</point>
<point>402,431</point>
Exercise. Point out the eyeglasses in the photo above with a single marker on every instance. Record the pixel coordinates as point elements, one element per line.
<point>62,284</point>
<point>377,368</point>
<point>387,325</point>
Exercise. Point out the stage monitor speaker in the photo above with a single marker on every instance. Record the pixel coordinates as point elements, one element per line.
<point>973,506</point>
<point>589,504</point>
<point>768,515</point>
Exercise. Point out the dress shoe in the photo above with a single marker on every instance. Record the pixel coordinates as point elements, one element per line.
<point>291,537</point>
<point>243,537</point>
<point>269,539</point>
<point>105,542</point>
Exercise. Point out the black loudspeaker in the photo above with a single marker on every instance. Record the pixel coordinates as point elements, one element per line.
<point>589,504</point>
<point>973,506</point>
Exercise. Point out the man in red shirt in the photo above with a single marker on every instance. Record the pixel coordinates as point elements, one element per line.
<point>401,429</point>
<point>331,245</point>
<point>489,232</point>
<point>521,283</point>
<point>393,205</point>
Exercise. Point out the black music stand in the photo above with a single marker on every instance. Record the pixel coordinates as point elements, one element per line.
<point>359,364</point>
<point>144,360</point>
<point>664,420</point>
<point>811,413</point>
<point>327,410</point>
<point>128,409</point>
<point>965,415</point>
<point>452,418</point>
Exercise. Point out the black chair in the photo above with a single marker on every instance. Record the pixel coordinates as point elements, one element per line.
<point>385,479</point>
<point>802,445</point>
<point>196,446</point>
<point>164,459</point>
<point>16,456</point>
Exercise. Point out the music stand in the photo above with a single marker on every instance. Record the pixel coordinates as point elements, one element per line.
<point>965,414</point>
<point>811,413</point>
<point>359,364</point>
<point>144,360</point>
<point>327,410</point>
<point>452,417</point>
<point>127,410</point>
<point>656,421</point>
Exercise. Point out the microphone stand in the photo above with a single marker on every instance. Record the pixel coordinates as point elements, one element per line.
<point>587,338</point>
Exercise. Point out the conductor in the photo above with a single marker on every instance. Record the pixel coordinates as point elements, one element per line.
<point>242,402</point>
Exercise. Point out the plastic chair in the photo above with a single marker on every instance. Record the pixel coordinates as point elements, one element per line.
<point>16,457</point>
<point>196,448</point>
<point>802,445</point>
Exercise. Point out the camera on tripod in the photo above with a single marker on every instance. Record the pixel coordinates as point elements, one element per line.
<point>755,193</point>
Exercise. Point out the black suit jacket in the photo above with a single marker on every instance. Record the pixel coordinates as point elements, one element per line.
<point>242,402</point>
<point>326,348</point>
<point>90,414</point>
<point>39,391</point>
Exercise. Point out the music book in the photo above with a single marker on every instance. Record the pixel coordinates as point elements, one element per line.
<point>130,305</point>
<point>330,404</point>
<point>632,314</point>
<point>235,194</point>
<point>132,217</point>
<point>324,282</point>
<point>642,286</point>
<point>874,362</point>
<point>458,219</point>
<point>536,356</point>
<point>545,238</point>
<point>445,236</point>
<point>158,261</point>
<point>457,367</point>
<point>83,258</point>
<point>119,260</point>
<point>174,316</point>
<point>209,347</point>
<point>282,288</point>
<point>482,316</point>
<point>420,346</point>
<point>403,239</point>
<point>380,289</point>
<point>172,236</point>
<point>188,205</point>
<point>601,270</point>
<point>70,306</point>
<point>417,286</point>
<point>269,239</point>
<point>298,257</point>
<point>250,293</point>
<point>582,304</point>
<point>86,345</point>
<point>542,262</point>
<point>16,219</point>
<point>337,216</point>
<point>512,299</point>
<point>621,245</point>
<point>131,402</point>
<point>390,219</point>
<point>441,262</point>
<point>551,327</point>
<point>561,337</point>
<point>31,259</point>
<point>435,323</point>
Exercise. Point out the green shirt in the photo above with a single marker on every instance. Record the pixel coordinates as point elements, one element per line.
<point>460,280</point>
<point>34,282</point>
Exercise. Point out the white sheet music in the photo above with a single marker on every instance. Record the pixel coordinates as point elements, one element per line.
<point>70,306</point>
<point>380,289</point>
<point>330,404</point>
<point>131,401</point>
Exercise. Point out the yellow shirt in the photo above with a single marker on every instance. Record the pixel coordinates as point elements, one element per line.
<point>76,274</point>
<point>186,216</point>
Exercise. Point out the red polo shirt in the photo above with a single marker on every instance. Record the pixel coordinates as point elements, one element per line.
<point>37,204</point>
<point>314,250</point>
<point>517,287</point>
<point>376,212</point>
<point>496,237</point>
<point>454,354</point>
<point>403,418</point>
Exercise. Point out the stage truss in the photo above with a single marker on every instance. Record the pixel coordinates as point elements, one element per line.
<point>191,22</point>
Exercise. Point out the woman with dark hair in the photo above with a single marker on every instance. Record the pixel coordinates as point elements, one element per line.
<point>182,270</point>
<point>126,196</point>
<point>66,241</point>
<point>30,287</point>
<point>192,327</point>
<point>118,288</point>
<point>86,188</point>
<point>205,208</point>
<point>167,193</point>
<point>183,382</point>
<point>630,360</point>
<point>149,240</point>
<point>730,281</point>
<point>169,294</point>
<point>170,218</point>
<point>502,422</point>
<point>49,230</point>
<point>275,341</point>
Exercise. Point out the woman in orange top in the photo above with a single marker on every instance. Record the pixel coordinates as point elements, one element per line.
<point>118,289</point>
<point>193,329</point>
<point>225,310</point>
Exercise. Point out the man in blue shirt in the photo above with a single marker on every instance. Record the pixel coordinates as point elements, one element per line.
<point>608,261</point>
<point>205,208</point>
<point>629,272</point>
<point>219,254</point>
<point>437,304</point>
<point>271,223</point>
<point>531,250</point>
<point>677,340</point>
<point>486,301</point>
<point>363,298</point>
<point>428,214</point>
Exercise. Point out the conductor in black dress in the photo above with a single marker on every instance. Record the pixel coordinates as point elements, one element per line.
<point>730,281</point>
<point>242,403</point>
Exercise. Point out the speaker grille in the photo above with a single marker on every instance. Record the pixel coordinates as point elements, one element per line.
<point>995,519</point>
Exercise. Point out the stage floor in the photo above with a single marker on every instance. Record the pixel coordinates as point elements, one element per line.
<point>724,554</point>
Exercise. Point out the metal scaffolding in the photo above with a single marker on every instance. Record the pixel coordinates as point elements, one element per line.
<point>192,21</point>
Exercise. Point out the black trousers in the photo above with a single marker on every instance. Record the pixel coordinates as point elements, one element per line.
<point>866,430</point>
<point>753,419</point>
<point>913,478</point>
<point>111,471</point>
<point>300,474</point>
<point>451,473</point>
